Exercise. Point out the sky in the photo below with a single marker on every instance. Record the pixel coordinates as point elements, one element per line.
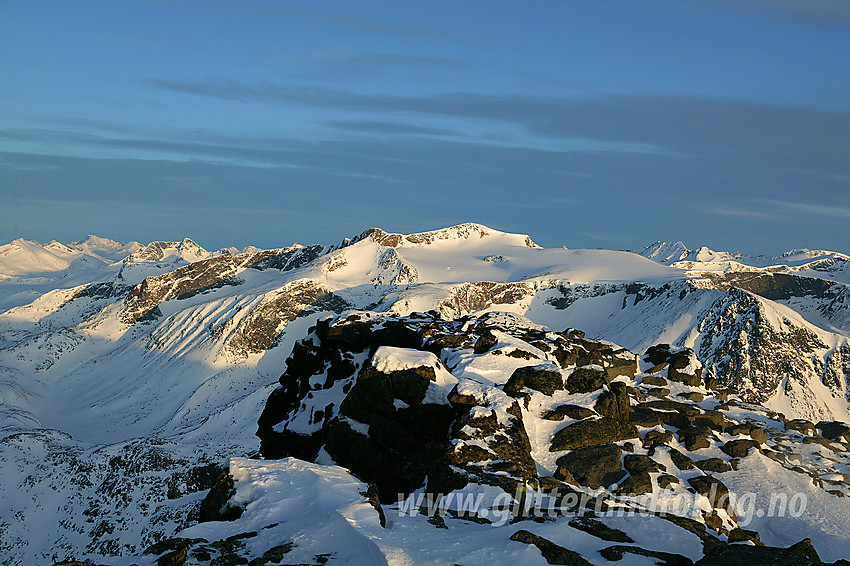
<point>612,124</point>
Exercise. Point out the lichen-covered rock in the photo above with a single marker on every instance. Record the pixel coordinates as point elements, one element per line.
<point>614,402</point>
<point>592,466</point>
<point>586,379</point>
<point>591,432</point>
<point>543,378</point>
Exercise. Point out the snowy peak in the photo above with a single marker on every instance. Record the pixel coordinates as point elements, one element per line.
<point>186,250</point>
<point>462,232</point>
<point>27,257</point>
<point>663,252</point>
<point>106,248</point>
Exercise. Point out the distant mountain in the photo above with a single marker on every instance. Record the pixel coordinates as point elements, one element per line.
<point>131,373</point>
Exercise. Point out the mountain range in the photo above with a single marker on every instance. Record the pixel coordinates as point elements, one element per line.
<point>138,378</point>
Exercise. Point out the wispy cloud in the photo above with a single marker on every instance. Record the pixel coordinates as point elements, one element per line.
<point>819,12</point>
<point>689,125</point>
<point>812,209</point>
<point>738,212</point>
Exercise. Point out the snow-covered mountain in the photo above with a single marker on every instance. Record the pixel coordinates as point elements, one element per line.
<point>130,373</point>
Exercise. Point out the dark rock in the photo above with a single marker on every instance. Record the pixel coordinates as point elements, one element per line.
<point>215,505</point>
<point>653,378</point>
<point>716,492</point>
<point>834,430</point>
<point>658,354</point>
<point>552,553</point>
<point>593,466</point>
<point>645,416</point>
<point>592,432</point>
<point>666,480</point>
<point>636,463</point>
<point>685,368</point>
<point>657,438</point>
<point>636,484</point>
<point>620,363</point>
<point>800,554</point>
<point>485,342</point>
<point>614,403</point>
<point>694,396</point>
<point>658,391</point>
<point>805,549</point>
<point>695,437</point>
<point>680,460</point>
<point>753,431</point>
<point>615,553</point>
<point>800,425</point>
<point>599,529</point>
<point>568,411</point>
<point>739,448</point>
<point>741,535</point>
<point>586,379</point>
<point>540,378</point>
<point>713,465</point>
<point>712,419</point>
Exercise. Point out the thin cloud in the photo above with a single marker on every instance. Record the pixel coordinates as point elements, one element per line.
<point>813,209</point>
<point>738,212</point>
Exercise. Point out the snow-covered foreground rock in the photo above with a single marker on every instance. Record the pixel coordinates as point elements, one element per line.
<point>132,376</point>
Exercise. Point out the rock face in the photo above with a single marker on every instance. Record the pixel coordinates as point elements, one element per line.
<point>376,393</point>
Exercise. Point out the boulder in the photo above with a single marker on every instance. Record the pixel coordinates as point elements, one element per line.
<point>834,430</point>
<point>592,466</point>
<point>591,432</point>
<point>715,490</point>
<point>636,463</point>
<point>680,460</point>
<point>685,368</point>
<point>485,342</point>
<point>713,465</point>
<point>614,403</point>
<point>658,354</point>
<point>586,379</point>
<point>739,448</point>
<point>541,378</point>
<point>561,412</point>
<point>552,553</point>
<point>636,484</point>
<point>695,437</point>
<point>657,438</point>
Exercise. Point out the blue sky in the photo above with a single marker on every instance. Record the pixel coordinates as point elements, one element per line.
<point>585,124</point>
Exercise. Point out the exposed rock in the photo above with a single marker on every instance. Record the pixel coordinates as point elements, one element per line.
<point>680,460</point>
<point>540,378</point>
<point>586,379</point>
<point>713,465</point>
<point>591,432</point>
<point>716,492</point>
<point>742,535</point>
<point>552,553</point>
<point>657,438</point>
<point>739,448</point>
<point>485,342</point>
<point>636,484</point>
<point>685,368</point>
<point>695,437</point>
<point>834,430</point>
<point>666,480</point>
<point>599,529</point>
<point>616,553</point>
<point>215,505</point>
<point>614,403</point>
<point>593,466</point>
<point>636,463</point>
<point>694,396</point>
<point>561,412</point>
